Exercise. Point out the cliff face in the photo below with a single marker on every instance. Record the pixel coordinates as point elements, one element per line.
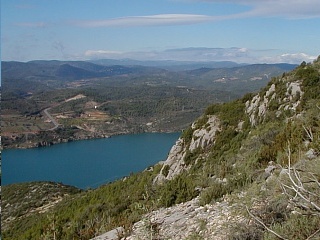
<point>273,98</point>
<point>201,138</point>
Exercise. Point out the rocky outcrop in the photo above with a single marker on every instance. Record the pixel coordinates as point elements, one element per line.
<point>204,136</point>
<point>201,138</point>
<point>292,97</point>
<point>174,163</point>
<point>114,234</point>
<point>258,106</point>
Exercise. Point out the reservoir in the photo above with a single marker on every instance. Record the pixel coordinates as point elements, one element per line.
<point>88,163</point>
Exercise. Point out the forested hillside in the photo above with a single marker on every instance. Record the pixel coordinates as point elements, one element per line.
<point>88,100</point>
<point>252,163</point>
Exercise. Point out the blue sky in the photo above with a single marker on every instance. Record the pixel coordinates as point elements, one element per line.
<point>251,31</point>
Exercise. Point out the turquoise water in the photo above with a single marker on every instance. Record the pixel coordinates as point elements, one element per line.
<point>88,163</point>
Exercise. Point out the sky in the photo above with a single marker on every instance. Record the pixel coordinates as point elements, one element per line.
<point>243,31</point>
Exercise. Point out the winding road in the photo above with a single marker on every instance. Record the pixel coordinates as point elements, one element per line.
<point>56,125</point>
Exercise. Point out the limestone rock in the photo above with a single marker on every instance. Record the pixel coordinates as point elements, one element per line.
<point>111,235</point>
<point>174,161</point>
<point>204,136</point>
<point>311,154</point>
<point>201,138</point>
<point>187,219</point>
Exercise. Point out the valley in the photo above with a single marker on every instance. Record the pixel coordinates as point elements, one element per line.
<point>48,102</point>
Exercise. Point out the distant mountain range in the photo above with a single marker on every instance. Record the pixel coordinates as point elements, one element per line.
<point>76,70</point>
<point>169,64</point>
<point>66,70</point>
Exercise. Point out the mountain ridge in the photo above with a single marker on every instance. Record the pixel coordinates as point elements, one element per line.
<point>65,70</point>
<point>83,69</point>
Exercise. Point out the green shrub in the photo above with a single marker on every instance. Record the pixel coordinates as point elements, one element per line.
<point>243,231</point>
<point>309,75</point>
<point>165,170</point>
<point>214,192</point>
<point>191,156</point>
<point>296,227</point>
<point>201,122</point>
<point>187,136</point>
<point>180,189</point>
<point>213,109</point>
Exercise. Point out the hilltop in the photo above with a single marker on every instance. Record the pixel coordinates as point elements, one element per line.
<point>245,169</point>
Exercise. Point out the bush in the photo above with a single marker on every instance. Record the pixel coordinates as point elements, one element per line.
<point>191,157</point>
<point>295,213</point>
<point>165,170</point>
<point>309,75</point>
<point>245,231</point>
<point>296,227</point>
<point>187,135</point>
<point>214,192</point>
<point>180,189</point>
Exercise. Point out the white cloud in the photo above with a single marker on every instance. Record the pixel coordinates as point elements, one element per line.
<point>109,54</point>
<point>262,8</point>
<point>102,53</point>
<point>177,54</point>
<point>149,20</point>
<point>282,8</point>
<point>205,54</point>
<point>240,55</point>
<point>295,58</point>
<point>288,8</point>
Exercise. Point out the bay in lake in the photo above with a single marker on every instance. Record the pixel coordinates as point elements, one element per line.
<point>87,163</point>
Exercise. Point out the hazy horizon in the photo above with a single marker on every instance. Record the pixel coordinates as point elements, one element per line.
<point>241,31</point>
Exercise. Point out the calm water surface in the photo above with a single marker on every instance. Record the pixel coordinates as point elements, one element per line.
<point>88,163</point>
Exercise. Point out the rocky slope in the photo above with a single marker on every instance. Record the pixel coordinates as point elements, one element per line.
<point>176,160</point>
<point>188,220</point>
<point>270,100</point>
<point>248,213</point>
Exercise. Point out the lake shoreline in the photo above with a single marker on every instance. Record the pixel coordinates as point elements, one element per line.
<point>41,144</point>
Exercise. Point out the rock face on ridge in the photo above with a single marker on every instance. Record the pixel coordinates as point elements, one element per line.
<point>201,138</point>
<point>174,161</point>
<point>205,135</point>
<point>258,106</point>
